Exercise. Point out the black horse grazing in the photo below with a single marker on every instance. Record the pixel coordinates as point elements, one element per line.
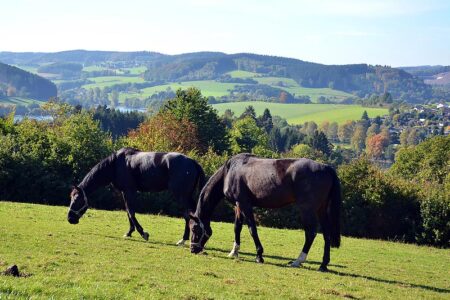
<point>248,181</point>
<point>130,170</point>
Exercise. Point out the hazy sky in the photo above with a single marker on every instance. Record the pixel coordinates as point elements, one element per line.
<point>387,32</point>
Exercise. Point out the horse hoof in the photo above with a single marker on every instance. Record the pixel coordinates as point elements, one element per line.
<point>181,243</point>
<point>259,259</point>
<point>233,254</point>
<point>145,236</point>
<point>293,264</point>
<point>323,269</point>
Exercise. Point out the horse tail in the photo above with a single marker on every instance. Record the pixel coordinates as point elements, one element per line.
<point>334,211</point>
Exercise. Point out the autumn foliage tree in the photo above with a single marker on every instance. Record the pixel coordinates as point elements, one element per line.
<point>375,146</point>
<point>165,132</point>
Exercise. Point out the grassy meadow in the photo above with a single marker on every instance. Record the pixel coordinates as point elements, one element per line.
<point>92,260</point>
<point>300,113</point>
<point>18,100</point>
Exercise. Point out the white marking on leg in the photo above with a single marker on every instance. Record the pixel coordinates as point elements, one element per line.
<point>181,242</point>
<point>301,259</point>
<point>235,251</point>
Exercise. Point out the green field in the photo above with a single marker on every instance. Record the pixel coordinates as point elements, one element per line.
<point>18,101</point>
<point>208,87</point>
<point>242,74</point>
<point>212,87</point>
<point>300,113</point>
<point>105,81</point>
<point>92,260</point>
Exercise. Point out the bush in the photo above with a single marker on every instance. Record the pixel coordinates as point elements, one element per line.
<point>40,160</point>
<point>435,214</point>
<point>376,205</point>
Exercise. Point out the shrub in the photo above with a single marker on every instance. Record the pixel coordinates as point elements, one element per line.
<point>376,205</point>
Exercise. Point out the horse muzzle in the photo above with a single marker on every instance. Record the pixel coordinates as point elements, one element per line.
<point>196,249</point>
<point>73,220</point>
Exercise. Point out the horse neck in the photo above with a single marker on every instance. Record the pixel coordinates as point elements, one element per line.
<point>100,175</point>
<point>210,196</point>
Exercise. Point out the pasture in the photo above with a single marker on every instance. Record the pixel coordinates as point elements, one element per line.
<point>18,101</point>
<point>104,81</point>
<point>300,113</point>
<point>92,260</point>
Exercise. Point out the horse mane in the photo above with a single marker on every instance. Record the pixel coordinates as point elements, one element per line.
<point>100,174</point>
<point>211,193</point>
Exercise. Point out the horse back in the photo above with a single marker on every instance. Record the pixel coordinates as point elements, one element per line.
<point>155,171</point>
<point>265,182</point>
<point>273,183</point>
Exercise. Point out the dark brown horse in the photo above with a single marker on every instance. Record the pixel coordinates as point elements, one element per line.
<point>130,170</point>
<point>248,181</point>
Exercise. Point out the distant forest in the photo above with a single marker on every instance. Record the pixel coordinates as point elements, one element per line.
<point>17,82</point>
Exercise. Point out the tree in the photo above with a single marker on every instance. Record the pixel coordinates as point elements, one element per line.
<point>428,161</point>
<point>283,97</point>
<point>358,140</point>
<point>302,150</point>
<point>365,116</point>
<point>309,128</point>
<point>373,130</point>
<point>249,111</point>
<point>164,132</point>
<point>265,121</point>
<point>246,135</point>
<point>324,126</point>
<point>375,146</point>
<point>404,137</point>
<point>332,133</point>
<point>413,137</point>
<point>228,118</point>
<point>345,131</point>
<point>319,142</point>
<point>190,105</point>
<point>115,98</point>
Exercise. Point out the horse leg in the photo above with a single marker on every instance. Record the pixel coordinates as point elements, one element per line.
<point>186,230</point>
<point>238,222</point>
<point>309,221</point>
<point>325,225</point>
<point>248,213</point>
<point>132,228</point>
<point>130,198</point>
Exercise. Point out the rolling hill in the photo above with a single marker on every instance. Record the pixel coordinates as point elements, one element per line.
<point>357,80</point>
<point>17,82</point>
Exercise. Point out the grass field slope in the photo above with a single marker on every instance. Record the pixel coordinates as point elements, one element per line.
<point>300,113</point>
<point>92,260</point>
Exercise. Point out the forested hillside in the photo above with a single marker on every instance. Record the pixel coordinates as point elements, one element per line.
<point>17,82</point>
<point>358,79</point>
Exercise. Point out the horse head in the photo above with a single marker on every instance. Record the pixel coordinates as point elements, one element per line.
<point>201,232</point>
<point>78,205</point>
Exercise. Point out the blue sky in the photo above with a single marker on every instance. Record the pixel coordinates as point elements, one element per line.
<point>386,32</point>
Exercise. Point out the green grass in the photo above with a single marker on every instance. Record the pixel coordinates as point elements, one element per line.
<point>93,68</point>
<point>242,74</point>
<point>136,70</point>
<point>92,260</point>
<point>105,81</point>
<point>31,69</point>
<point>19,101</point>
<point>208,87</point>
<point>300,113</point>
